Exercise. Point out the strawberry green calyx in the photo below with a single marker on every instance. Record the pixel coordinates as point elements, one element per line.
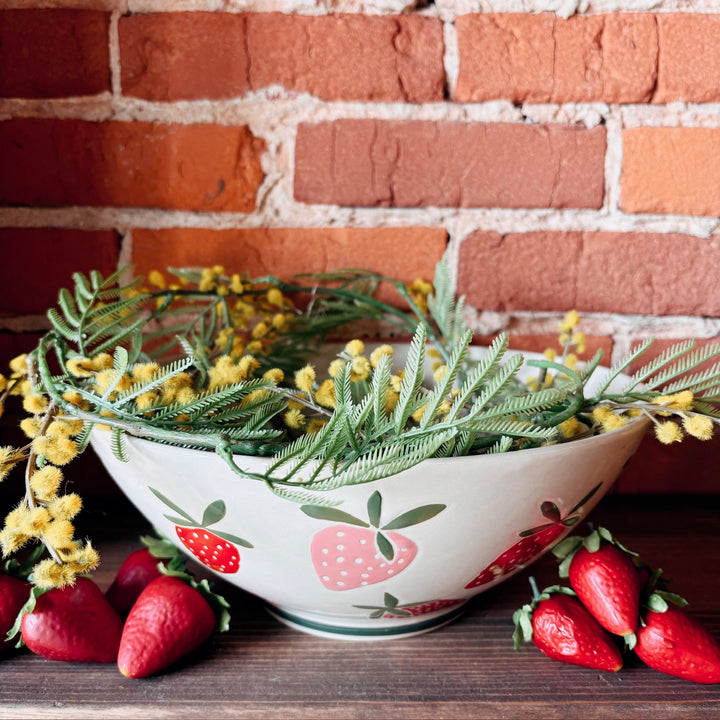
<point>565,550</point>
<point>219,605</point>
<point>654,598</point>
<point>522,618</point>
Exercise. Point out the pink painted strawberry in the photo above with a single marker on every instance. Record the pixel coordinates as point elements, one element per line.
<point>392,608</point>
<point>533,542</point>
<point>356,553</point>
<point>216,549</point>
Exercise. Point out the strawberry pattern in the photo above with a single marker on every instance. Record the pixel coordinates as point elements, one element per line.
<point>353,553</point>
<point>392,608</point>
<point>533,541</point>
<point>216,550</point>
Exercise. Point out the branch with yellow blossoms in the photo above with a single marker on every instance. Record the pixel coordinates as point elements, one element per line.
<point>201,358</point>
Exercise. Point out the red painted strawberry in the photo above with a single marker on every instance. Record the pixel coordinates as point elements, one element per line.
<point>137,571</point>
<point>14,593</point>
<point>169,620</point>
<point>215,549</point>
<point>532,543</point>
<point>75,623</point>
<point>678,644</point>
<point>356,553</point>
<point>393,609</point>
<point>561,627</point>
<point>605,578</point>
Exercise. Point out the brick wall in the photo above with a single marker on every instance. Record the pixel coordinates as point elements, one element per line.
<point>569,160</point>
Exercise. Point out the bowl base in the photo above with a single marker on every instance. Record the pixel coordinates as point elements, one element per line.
<point>381,629</point>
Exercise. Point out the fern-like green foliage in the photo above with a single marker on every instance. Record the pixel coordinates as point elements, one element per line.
<point>380,425</point>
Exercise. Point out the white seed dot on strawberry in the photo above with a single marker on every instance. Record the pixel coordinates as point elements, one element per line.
<point>325,578</point>
<point>390,571</point>
<point>364,575</point>
<point>363,542</point>
<point>340,559</point>
<point>340,547</point>
<point>339,533</point>
<point>358,561</point>
<point>324,563</point>
<point>194,534</point>
<point>340,583</point>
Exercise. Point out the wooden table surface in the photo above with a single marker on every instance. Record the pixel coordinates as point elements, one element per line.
<point>468,669</point>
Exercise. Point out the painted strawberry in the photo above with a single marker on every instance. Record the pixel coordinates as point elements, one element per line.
<point>674,642</point>
<point>392,608</point>
<point>560,626</point>
<point>356,553</point>
<point>216,549</point>
<point>604,576</point>
<point>533,542</point>
<point>169,620</point>
<point>75,623</point>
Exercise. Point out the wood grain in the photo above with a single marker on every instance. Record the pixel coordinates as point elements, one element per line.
<point>261,669</point>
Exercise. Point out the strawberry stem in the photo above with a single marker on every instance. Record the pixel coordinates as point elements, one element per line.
<point>533,585</point>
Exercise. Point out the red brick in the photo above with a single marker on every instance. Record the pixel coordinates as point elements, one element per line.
<point>591,271</point>
<point>543,58</point>
<point>174,56</point>
<point>449,164</point>
<point>167,56</point>
<point>72,162</point>
<point>671,170</point>
<point>40,261</point>
<point>54,53</point>
<point>349,57</point>
<point>400,253</point>
<point>689,59</point>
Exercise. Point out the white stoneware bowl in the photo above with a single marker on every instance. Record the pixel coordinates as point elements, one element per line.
<point>481,519</point>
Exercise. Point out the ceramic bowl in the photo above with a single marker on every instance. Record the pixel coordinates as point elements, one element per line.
<point>452,528</point>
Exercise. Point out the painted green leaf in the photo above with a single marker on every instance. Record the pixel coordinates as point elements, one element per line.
<point>413,517</point>
<point>390,600</point>
<point>332,515</point>
<point>173,506</point>
<point>385,546</point>
<point>214,512</point>
<point>233,539</point>
<point>374,508</point>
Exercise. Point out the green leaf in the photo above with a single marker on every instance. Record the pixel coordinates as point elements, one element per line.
<point>332,515</point>
<point>414,372</point>
<point>118,445</point>
<point>374,508</point>
<point>385,546</point>
<point>28,607</point>
<point>173,506</point>
<point>415,516</point>
<point>233,539</point>
<point>214,512</point>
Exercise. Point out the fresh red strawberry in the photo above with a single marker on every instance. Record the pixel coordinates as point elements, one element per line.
<point>533,542</point>
<point>678,644</point>
<point>356,553</point>
<point>139,569</point>
<point>560,627</point>
<point>605,578</point>
<point>216,549</point>
<point>14,594</point>
<point>74,623</point>
<point>392,608</point>
<point>168,621</point>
